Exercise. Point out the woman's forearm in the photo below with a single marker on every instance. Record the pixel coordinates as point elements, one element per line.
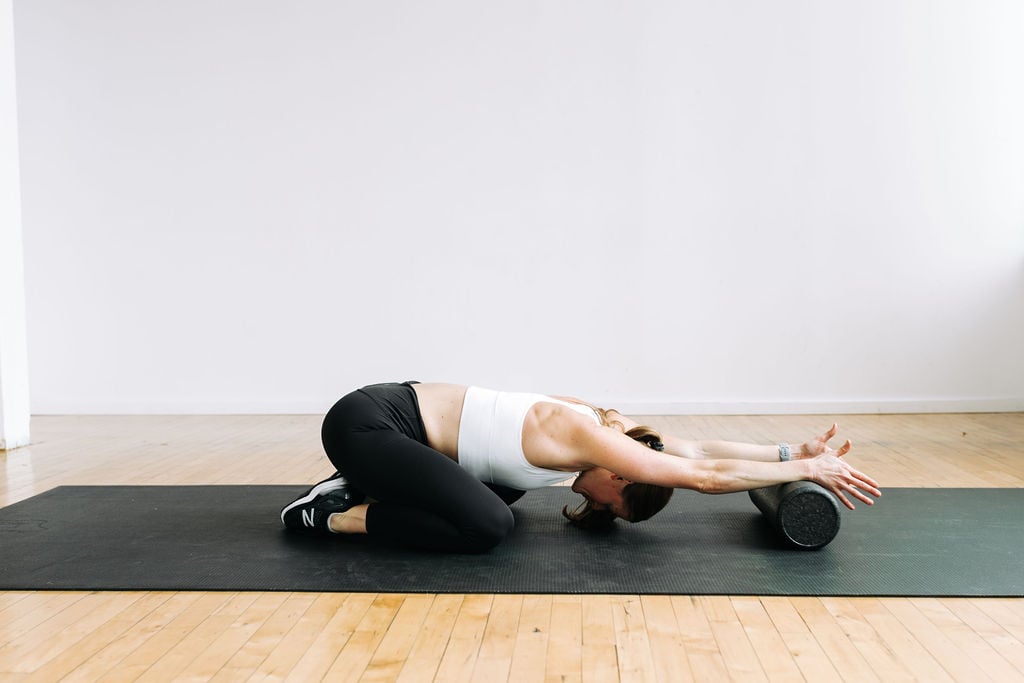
<point>730,476</point>
<point>719,450</point>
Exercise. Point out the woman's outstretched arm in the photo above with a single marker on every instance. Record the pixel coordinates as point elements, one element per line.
<point>733,450</point>
<point>618,453</point>
<point>715,450</point>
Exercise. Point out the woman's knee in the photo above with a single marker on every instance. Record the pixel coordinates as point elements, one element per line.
<point>490,528</point>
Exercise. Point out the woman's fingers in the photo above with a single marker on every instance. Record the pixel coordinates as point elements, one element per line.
<point>841,491</point>
<point>871,484</point>
<point>844,501</point>
<point>820,444</point>
<point>844,449</point>
<point>858,487</point>
<point>859,495</point>
<point>830,433</point>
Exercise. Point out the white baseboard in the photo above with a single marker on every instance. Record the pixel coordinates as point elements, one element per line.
<point>9,443</point>
<point>313,407</point>
<point>1000,405</point>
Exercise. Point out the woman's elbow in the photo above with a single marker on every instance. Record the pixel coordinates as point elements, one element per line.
<point>711,481</point>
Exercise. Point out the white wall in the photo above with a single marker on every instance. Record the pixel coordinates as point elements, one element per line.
<point>700,206</point>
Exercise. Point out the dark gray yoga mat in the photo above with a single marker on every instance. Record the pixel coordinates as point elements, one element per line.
<point>944,542</point>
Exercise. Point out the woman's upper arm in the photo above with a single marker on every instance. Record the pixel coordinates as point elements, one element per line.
<point>616,452</point>
<point>682,447</point>
<point>673,444</point>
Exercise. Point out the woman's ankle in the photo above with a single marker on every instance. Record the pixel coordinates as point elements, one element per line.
<point>352,521</point>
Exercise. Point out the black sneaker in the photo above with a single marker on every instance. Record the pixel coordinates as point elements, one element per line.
<point>309,512</point>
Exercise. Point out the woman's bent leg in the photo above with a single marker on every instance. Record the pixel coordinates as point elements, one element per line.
<point>422,498</point>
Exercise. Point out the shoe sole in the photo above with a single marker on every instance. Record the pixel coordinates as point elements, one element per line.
<point>322,487</point>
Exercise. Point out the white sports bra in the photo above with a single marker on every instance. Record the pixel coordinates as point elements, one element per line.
<point>491,438</point>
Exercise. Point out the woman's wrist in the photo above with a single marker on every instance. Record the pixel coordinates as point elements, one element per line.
<point>800,451</point>
<point>805,468</point>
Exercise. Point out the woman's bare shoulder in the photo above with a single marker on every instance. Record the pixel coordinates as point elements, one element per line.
<point>611,414</point>
<point>552,434</point>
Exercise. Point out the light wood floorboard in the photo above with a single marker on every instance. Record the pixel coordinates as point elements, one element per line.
<point>154,636</point>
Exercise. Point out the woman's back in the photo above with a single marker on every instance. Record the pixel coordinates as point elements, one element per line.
<point>441,410</point>
<point>441,407</point>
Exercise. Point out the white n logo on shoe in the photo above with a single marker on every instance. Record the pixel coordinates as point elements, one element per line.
<point>307,517</point>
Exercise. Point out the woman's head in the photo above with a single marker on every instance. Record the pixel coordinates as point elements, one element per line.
<point>607,495</point>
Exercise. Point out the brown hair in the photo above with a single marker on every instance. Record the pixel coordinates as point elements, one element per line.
<point>642,500</point>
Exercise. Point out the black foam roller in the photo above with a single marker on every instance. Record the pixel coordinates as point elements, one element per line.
<point>803,513</point>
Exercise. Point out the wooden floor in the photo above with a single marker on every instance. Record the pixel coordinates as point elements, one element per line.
<point>50,636</point>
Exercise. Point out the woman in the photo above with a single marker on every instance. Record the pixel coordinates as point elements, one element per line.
<point>435,466</point>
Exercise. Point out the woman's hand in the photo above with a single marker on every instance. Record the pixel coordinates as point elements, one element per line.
<point>829,470</point>
<point>819,445</point>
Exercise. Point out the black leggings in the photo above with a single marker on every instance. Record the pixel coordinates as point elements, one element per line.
<point>422,498</point>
